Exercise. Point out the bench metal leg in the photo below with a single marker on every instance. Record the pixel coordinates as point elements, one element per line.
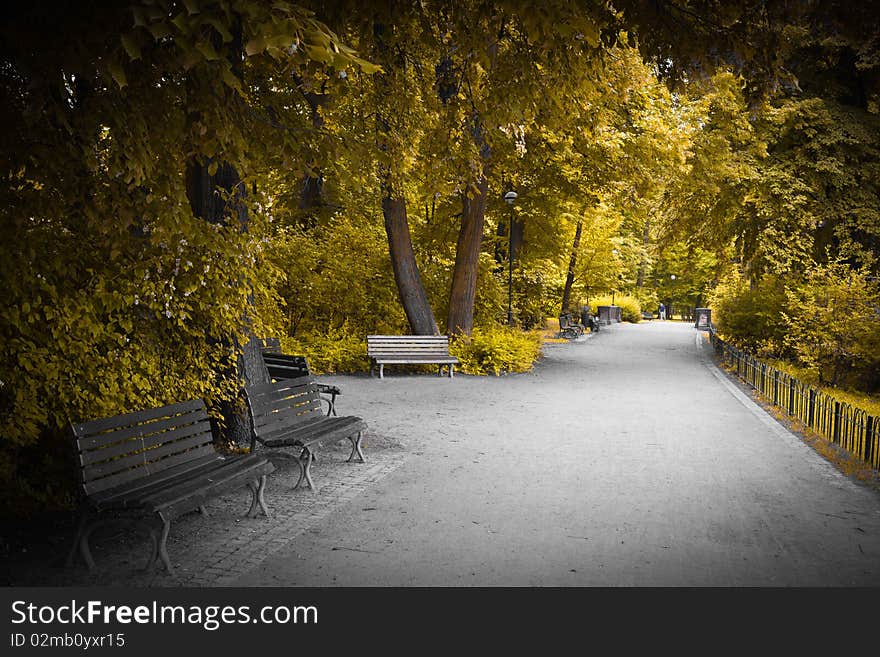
<point>451,370</point>
<point>159,537</point>
<point>80,530</point>
<point>305,465</point>
<point>258,502</point>
<point>381,370</point>
<point>356,448</point>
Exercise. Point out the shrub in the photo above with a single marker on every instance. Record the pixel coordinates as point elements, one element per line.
<point>834,325</point>
<point>337,351</point>
<point>630,308</point>
<point>496,350</point>
<point>750,316</point>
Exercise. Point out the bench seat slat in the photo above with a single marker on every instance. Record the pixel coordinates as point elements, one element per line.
<point>415,360</point>
<point>188,489</point>
<point>130,492</point>
<point>309,433</point>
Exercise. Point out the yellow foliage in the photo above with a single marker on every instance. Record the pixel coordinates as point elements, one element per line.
<point>497,350</point>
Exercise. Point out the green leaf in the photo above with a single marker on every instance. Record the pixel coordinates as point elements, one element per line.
<point>255,46</point>
<point>115,70</point>
<point>131,46</point>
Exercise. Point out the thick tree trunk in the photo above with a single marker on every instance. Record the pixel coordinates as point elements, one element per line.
<point>403,260</point>
<point>406,271</point>
<point>311,200</point>
<point>572,263</point>
<point>208,204</point>
<point>467,258</point>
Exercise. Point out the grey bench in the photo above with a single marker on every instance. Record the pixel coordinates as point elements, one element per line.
<point>288,413</point>
<point>153,465</point>
<point>410,350</point>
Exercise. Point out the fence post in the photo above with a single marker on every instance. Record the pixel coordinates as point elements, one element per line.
<point>790,396</point>
<point>775,386</point>
<point>837,422</point>
<point>869,438</point>
<point>811,408</point>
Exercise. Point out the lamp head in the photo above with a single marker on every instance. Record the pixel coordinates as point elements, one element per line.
<point>510,197</point>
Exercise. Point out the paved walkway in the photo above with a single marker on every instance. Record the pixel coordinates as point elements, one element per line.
<point>627,459</point>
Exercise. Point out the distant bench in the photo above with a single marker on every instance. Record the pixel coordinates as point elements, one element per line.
<point>410,350</point>
<point>159,462</point>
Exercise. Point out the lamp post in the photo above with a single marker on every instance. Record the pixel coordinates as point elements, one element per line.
<point>614,289</point>
<point>509,198</point>
<point>672,296</point>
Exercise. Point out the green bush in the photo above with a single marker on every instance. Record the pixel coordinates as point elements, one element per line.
<point>630,308</point>
<point>833,318</point>
<point>337,351</point>
<point>496,350</point>
<point>750,316</point>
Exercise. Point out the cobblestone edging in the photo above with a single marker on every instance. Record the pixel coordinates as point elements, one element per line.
<point>293,512</point>
<point>216,549</point>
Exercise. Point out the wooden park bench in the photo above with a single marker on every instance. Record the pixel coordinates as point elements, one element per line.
<point>287,413</point>
<point>154,465</point>
<point>283,366</point>
<point>410,350</point>
<point>569,327</point>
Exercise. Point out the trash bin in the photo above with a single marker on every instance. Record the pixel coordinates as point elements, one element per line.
<point>702,318</point>
<point>609,314</point>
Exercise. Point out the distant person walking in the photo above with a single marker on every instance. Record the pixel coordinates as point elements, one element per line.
<point>662,311</point>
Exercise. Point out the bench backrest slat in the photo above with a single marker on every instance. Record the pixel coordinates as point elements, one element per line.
<point>284,366</point>
<point>286,403</point>
<point>408,345</point>
<point>98,426</point>
<point>116,450</point>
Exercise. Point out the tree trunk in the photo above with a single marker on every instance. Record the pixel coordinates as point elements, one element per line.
<point>403,260</point>
<point>311,200</point>
<point>467,258</point>
<point>406,271</point>
<point>207,203</point>
<point>572,263</point>
<point>643,265</point>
